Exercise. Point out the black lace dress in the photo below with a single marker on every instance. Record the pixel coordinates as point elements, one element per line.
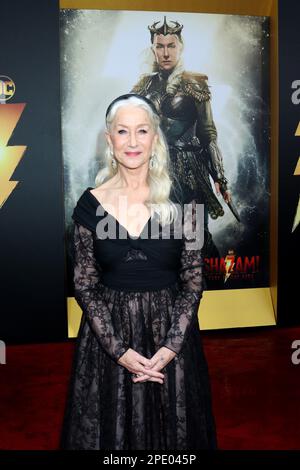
<point>141,293</point>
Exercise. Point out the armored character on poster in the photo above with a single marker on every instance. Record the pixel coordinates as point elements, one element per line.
<point>183,100</point>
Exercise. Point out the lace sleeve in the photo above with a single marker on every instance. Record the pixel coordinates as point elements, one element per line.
<point>87,294</point>
<point>185,309</point>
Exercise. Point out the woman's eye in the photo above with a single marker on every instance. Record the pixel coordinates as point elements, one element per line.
<point>142,131</point>
<point>121,131</point>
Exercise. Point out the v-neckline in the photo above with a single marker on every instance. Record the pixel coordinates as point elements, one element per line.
<point>134,237</point>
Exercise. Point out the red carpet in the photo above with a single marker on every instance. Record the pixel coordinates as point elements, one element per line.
<point>32,395</point>
<point>254,383</point>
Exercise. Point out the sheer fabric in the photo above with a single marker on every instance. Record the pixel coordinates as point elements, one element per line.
<point>105,409</point>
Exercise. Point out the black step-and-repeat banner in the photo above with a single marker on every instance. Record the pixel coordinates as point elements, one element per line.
<point>289,164</point>
<point>33,287</point>
<point>32,266</point>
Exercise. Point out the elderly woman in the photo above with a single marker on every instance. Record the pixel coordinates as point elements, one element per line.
<point>139,377</point>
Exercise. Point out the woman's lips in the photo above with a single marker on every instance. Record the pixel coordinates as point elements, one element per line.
<point>132,154</point>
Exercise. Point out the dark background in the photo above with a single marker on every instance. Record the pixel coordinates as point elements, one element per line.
<point>32,274</point>
<point>289,151</point>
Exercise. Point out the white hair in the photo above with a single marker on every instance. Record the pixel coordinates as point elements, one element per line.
<point>159,177</point>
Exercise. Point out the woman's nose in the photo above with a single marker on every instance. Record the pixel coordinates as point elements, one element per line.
<point>132,139</point>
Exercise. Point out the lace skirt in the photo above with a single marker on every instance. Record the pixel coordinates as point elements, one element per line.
<point>106,410</point>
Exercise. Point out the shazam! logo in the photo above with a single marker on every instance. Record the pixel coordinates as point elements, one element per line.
<point>7,88</point>
<point>10,155</point>
<point>229,264</point>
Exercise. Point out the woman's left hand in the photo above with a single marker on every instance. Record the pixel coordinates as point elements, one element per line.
<point>160,359</point>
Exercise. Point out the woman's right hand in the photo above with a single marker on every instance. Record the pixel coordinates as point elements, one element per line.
<point>140,365</point>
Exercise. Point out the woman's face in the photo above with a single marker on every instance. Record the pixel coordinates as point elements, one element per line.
<point>132,137</point>
<point>167,50</point>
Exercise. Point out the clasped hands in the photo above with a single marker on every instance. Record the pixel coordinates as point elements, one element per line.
<point>145,369</point>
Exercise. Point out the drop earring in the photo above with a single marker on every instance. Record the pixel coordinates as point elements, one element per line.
<point>113,160</point>
<point>152,161</point>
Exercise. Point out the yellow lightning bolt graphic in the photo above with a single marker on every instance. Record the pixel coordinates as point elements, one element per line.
<point>297,217</point>
<point>297,169</point>
<point>9,156</point>
<point>297,173</point>
<point>229,265</point>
